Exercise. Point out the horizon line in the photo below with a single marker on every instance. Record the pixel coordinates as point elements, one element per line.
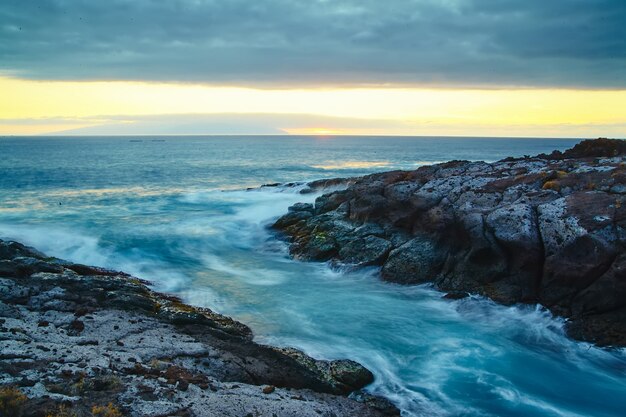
<point>286,135</point>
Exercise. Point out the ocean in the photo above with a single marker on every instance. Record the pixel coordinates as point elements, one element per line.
<point>178,211</point>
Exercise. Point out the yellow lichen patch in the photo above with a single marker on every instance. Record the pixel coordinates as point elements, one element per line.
<point>105,411</point>
<point>552,185</point>
<point>11,401</point>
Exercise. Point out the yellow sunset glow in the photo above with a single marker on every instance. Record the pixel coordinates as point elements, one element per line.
<point>314,131</point>
<point>35,107</point>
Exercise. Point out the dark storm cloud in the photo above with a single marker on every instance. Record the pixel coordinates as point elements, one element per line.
<point>580,43</point>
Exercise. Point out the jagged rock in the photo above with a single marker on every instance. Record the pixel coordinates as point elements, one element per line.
<point>302,207</point>
<point>83,336</point>
<point>606,294</point>
<point>370,250</point>
<point>379,403</point>
<point>417,261</point>
<point>456,295</point>
<point>549,229</point>
<point>292,218</point>
<point>341,376</point>
<point>591,148</point>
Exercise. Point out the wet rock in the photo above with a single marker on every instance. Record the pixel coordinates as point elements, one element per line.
<point>320,247</point>
<point>350,374</point>
<point>8,268</point>
<point>574,268</point>
<point>292,218</point>
<point>379,403</point>
<point>328,202</point>
<point>11,249</point>
<point>370,250</point>
<point>548,229</point>
<point>339,376</point>
<point>417,261</point>
<point>606,294</point>
<point>302,207</point>
<point>28,266</point>
<point>456,295</point>
<point>107,340</point>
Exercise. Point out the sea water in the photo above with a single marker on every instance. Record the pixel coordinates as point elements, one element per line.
<point>176,211</point>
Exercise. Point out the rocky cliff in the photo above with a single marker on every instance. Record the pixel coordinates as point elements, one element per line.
<point>549,229</point>
<point>81,341</point>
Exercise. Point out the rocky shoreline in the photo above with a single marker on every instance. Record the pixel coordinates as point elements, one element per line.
<point>549,229</point>
<point>77,340</point>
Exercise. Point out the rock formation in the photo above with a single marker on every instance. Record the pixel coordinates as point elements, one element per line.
<point>80,341</point>
<point>550,229</point>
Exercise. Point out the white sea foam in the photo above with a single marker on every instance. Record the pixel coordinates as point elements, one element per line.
<point>419,346</point>
<point>468,357</point>
<point>250,275</point>
<point>58,242</point>
<point>77,246</point>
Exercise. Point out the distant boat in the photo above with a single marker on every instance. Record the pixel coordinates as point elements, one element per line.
<point>136,140</point>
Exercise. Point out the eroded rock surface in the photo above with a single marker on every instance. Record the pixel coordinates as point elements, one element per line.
<point>549,229</point>
<point>76,336</point>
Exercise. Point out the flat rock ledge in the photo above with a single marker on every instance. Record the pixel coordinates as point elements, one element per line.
<point>549,229</point>
<point>80,341</point>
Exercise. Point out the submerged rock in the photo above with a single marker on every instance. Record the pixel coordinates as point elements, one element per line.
<point>549,229</point>
<point>78,337</point>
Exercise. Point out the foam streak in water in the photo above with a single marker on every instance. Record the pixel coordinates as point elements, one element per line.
<point>158,214</point>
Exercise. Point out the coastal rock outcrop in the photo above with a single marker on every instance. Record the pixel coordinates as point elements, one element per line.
<point>549,229</point>
<point>89,340</point>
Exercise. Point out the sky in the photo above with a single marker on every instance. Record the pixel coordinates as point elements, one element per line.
<point>400,67</point>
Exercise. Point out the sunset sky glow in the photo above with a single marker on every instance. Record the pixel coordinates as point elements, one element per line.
<point>429,67</point>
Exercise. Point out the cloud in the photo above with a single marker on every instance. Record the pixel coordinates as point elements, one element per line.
<point>562,43</point>
<point>202,124</point>
<point>280,124</point>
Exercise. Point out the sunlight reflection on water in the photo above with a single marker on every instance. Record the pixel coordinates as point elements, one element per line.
<point>157,212</point>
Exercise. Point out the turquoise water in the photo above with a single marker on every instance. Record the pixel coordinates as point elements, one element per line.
<point>175,210</point>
